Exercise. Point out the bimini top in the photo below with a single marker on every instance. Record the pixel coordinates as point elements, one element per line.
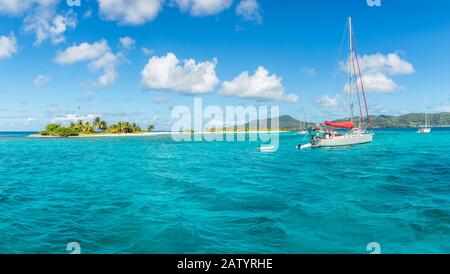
<point>348,125</point>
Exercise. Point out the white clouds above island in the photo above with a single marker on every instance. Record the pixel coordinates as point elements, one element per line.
<point>378,71</point>
<point>8,46</point>
<point>190,77</point>
<point>260,86</point>
<point>125,12</point>
<point>202,7</point>
<point>99,56</point>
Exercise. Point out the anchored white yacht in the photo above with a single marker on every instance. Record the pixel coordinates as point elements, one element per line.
<point>426,128</point>
<point>328,136</point>
<point>303,130</point>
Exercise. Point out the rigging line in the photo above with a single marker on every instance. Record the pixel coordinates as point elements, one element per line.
<point>336,63</point>
<point>357,93</point>
<point>362,82</point>
<point>350,61</point>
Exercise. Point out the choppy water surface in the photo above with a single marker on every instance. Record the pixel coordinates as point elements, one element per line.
<point>154,195</point>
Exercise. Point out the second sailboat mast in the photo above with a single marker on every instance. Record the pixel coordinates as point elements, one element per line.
<point>350,32</point>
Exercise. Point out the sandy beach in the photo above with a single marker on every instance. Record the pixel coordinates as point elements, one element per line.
<point>100,135</point>
<point>142,134</point>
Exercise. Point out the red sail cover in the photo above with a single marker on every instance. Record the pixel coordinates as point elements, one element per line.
<point>340,124</point>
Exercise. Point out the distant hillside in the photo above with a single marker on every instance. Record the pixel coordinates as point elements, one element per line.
<point>409,120</point>
<point>287,122</point>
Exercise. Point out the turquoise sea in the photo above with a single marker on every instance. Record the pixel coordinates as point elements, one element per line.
<point>154,195</point>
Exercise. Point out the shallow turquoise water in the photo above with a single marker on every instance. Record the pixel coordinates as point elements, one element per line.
<point>153,195</point>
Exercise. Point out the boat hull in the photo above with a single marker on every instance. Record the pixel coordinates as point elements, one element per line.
<point>267,148</point>
<point>424,130</point>
<point>345,140</point>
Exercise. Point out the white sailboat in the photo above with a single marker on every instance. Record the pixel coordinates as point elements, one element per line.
<point>426,128</point>
<point>328,136</point>
<point>303,130</point>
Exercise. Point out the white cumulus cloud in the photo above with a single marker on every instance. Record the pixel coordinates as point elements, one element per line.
<point>309,71</point>
<point>8,46</point>
<point>377,82</point>
<point>83,52</point>
<point>203,7</point>
<point>391,64</point>
<point>147,51</point>
<point>127,42</point>
<point>41,80</point>
<point>327,101</point>
<point>41,18</point>
<point>75,117</point>
<point>191,77</point>
<point>378,70</point>
<point>98,54</point>
<point>332,105</point>
<point>30,119</point>
<point>45,25</point>
<point>107,63</point>
<point>160,100</point>
<point>249,10</point>
<point>260,86</point>
<point>18,7</point>
<point>130,12</point>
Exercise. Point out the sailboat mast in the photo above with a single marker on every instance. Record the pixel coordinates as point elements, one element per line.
<point>350,32</point>
<point>426,112</point>
<point>304,123</point>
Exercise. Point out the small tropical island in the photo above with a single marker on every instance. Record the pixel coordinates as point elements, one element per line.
<point>100,128</point>
<point>97,128</point>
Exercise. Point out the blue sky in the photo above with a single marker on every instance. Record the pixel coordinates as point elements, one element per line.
<point>59,63</point>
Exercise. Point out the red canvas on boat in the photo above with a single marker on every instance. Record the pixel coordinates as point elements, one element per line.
<point>349,125</point>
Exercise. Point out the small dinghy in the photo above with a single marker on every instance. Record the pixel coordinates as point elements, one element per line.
<point>267,148</point>
<point>305,146</point>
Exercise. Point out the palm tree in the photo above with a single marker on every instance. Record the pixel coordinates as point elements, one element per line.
<point>103,126</point>
<point>128,128</point>
<point>150,128</point>
<point>87,128</point>
<point>119,127</point>
<point>78,126</point>
<point>113,128</point>
<point>96,122</point>
<point>135,128</point>
<point>99,124</point>
<point>122,127</point>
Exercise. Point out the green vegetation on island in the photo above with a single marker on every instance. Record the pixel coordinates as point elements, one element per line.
<point>286,123</point>
<point>238,129</point>
<point>98,126</point>
<point>411,120</point>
